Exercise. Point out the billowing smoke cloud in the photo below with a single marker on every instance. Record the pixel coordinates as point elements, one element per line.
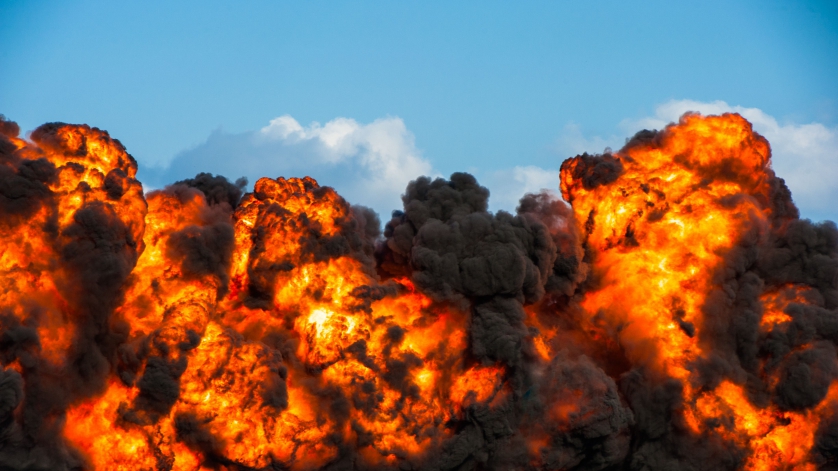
<point>679,315</point>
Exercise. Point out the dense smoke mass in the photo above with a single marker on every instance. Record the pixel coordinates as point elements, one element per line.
<point>673,312</point>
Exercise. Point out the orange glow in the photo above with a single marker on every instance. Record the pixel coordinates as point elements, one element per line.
<point>775,303</point>
<point>777,438</point>
<point>476,385</point>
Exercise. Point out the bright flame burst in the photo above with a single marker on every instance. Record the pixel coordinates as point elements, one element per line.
<point>235,357</point>
<point>658,231</point>
<point>258,408</point>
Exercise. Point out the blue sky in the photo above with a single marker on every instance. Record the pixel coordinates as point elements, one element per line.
<point>505,90</point>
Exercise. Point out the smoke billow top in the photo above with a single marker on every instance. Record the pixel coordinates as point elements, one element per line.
<point>675,313</point>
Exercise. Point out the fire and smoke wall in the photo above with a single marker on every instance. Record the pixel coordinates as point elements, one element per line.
<point>675,313</point>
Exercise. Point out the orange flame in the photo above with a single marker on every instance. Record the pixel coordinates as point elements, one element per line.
<point>658,230</point>
<point>265,337</point>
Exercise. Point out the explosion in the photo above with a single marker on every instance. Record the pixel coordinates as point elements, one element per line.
<point>673,312</point>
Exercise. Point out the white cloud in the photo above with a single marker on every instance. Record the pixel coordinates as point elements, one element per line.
<point>509,185</point>
<point>805,155</point>
<point>384,149</point>
<point>368,164</point>
<point>372,163</point>
<point>572,141</point>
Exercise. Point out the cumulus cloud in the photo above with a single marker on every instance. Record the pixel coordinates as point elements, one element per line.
<point>368,164</point>
<point>805,155</point>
